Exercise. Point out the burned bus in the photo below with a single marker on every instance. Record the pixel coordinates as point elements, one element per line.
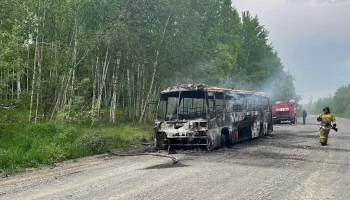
<point>210,117</point>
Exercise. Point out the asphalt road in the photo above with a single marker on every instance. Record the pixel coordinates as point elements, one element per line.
<point>288,164</point>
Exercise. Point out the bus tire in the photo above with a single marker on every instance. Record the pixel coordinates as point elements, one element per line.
<point>262,131</point>
<point>209,146</point>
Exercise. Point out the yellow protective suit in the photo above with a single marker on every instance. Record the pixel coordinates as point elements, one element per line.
<point>327,121</point>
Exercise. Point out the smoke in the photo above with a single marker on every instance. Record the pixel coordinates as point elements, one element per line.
<point>277,87</point>
<point>271,89</point>
<point>318,1</point>
<point>196,74</point>
<point>281,88</point>
<point>204,72</point>
<point>330,1</point>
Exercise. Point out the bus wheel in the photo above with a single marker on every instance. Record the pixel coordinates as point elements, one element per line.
<point>209,146</point>
<point>265,129</point>
<point>261,131</point>
<point>223,140</point>
<point>225,137</point>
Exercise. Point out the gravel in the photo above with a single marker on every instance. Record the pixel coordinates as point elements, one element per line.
<point>287,164</point>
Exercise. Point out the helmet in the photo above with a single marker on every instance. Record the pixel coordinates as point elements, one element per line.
<point>326,108</point>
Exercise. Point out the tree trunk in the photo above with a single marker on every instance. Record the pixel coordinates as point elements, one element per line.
<point>18,86</point>
<point>143,88</point>
<point>12,84</point>
<point>102,81</point>
<point>133,94</point>
<point>74,64</point>
<point>59,98</point>
<point>40,62</point>
<point>7,88</point>
<point>151,106</point>
<point>113,109</point>
<point>28,61</point>
<point>94,88</point>
<point>129,93</point>
<point>138,92</point>
<point>94,83</point>
<point>155,65</point>
<point>66,87</point>
<point>2,83</point>
<point>34,76</point>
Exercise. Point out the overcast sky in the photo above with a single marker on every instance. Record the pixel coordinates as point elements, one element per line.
<point>312,38</point>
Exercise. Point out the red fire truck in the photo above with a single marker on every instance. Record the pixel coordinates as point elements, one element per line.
<point>284,111</point>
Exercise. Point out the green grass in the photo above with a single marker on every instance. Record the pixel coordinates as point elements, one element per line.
<point>27,146</point>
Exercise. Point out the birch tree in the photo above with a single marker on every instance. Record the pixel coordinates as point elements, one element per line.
<point>74,60</point>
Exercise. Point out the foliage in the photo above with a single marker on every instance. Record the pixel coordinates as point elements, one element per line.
<point>338,103</point>
<point>99,62</point>
<point>64,59</point>
<point>94,142</point>
<point>23,146</point>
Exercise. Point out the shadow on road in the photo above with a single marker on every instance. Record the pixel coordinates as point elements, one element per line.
<point>167,165</point>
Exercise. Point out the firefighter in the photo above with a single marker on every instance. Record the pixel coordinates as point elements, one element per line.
<point>328,122</point>
<point>304,116</point>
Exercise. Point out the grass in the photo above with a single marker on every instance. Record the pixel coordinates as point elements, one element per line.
<point>28,146</point>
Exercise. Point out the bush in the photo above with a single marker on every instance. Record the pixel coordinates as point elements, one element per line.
<point>23,146</point>
<point>94,142</point>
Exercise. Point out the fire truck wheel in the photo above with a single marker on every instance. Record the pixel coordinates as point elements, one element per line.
<point>293,121</point>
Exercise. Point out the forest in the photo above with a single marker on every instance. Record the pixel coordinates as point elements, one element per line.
<point>337,102</point>
<point>107,60</point>
<point>70,66</point>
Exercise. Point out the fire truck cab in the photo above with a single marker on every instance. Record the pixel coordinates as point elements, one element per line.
<point>284,111</point>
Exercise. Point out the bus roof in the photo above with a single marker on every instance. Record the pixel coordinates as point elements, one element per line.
<point>203,87</point>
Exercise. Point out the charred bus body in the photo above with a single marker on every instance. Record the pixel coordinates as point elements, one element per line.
<point>210,117</point>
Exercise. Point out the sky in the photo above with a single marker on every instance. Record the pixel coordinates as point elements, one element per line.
<point>312,38</point>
